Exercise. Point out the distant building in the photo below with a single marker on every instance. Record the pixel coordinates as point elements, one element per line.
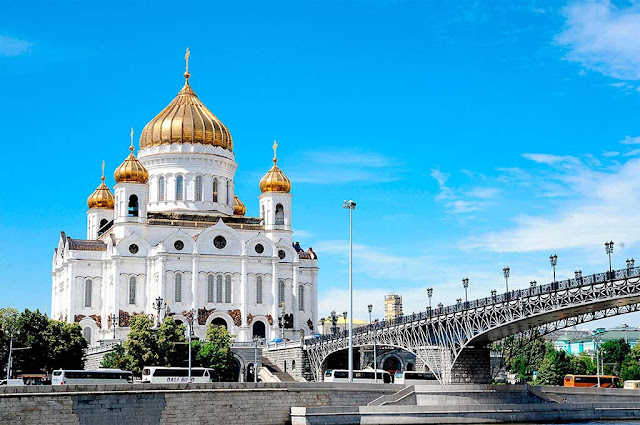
<point>392,306</point>
<point>576,342</point>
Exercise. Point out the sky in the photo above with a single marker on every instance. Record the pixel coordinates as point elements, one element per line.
<point>472,135</point>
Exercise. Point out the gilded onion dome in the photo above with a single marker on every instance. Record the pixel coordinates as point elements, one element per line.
<point>102,196</point>
<point>238,207</point>
<point>275,180</point>
<point>131,170</point>
<point>186,120</point>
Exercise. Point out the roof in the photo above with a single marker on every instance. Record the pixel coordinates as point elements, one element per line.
<point>86,245</point>
<point>203,220</point>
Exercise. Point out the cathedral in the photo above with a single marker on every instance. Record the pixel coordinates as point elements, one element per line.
<point>173,238</point>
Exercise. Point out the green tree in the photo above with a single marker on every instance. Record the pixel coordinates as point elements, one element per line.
<point>32,328</point>
<point>141,345</point>
<point>116,359</point>
<point>614,353</point>
<point>554,367</point>
<point>170,353</point>
<point>630,368</point>
<point>8,325</point>
<point>582,365</point>
<point>215,352</point>
<point>66,346</point>
<point>524,354</point>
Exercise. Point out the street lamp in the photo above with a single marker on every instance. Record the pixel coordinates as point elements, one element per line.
<point>625,326</point>
<point>596,340</point>
<point>429,294</point>
<point>334,322</point>
<point>493,294</point>
<point>553,259</point>
<point>465,283</point>
<point>344,316</point>
<point>189,315</point>
<point>114,323</point>
<point>350,205</point>
<point>506,272</point>
<point>533,284</point>
<point>630,264</point>
<point>158,306</point>
<point>375,355</point>
<point>578,274</point>
<point>608,247</point>
<point>322,320</point>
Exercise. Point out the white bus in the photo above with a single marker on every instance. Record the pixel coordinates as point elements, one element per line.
<point>360,376</point>
<point>164,375</point>
<point>416,378</point>
<point>83,377</point>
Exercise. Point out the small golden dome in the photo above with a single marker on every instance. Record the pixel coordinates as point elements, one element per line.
<point>131,170</point>
<point>102,196</point>
<point>186,120</point>
<point>275,180</point>
<point>238,207</point>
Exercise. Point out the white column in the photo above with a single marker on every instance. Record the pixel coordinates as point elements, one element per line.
<point>194,282</point>
<point>163,272</point>
<point>274,293</point>
<point>243,290</point>
<point>116,287</point>
<point>295,300</point>
<point>72,290</point>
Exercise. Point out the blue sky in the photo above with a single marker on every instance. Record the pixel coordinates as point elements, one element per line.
<point>473,135</point>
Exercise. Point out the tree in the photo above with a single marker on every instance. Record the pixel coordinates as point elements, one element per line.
<point>582,365</point>
<point>8,325</point>
<point>32,330</point>
<point>66,346</point>
<point>115,359</point>
<point>524,354</point>
<point>630,368</point>
<point>170,353</point>
<point>141,346</point>
<point>554,367</point>
<point>216,352</point>
<point>614,353</point>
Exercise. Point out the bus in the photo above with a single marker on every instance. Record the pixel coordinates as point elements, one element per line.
<point>586,381</point>
<point>632,385</point>
<point>416,378</point>
<point>164,375</point>
<point>83,377</point>
<point>359,376</point>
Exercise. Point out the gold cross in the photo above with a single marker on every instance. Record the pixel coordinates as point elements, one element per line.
<point>186,58</point>
<point>275,147</point>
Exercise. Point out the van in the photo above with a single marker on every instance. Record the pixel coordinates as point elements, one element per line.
<point>12,382</point>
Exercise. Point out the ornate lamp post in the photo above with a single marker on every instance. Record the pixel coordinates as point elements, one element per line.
<point>533,284</point>
<point>440,305</point>
<point>322,320</point>
<point>114,323</point>
<point>190,315</point>
<point>608,247</point>
<point>158,306</point>
<point>625,326</point>
<point>493,294</point>
<point>429,294</point>
<point>465,283</point>
<point>344,316</point>
<point>375,356</point>
<point>334,322</point>
<point>506,271</point>
<point>630,264</point>
<point>350,205</point>
<point>553,259</point>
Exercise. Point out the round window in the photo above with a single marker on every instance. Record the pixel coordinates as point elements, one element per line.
<point>219,242</point>
<point>282,254</point>
<point>133,248</point>
<point>179,245</point>
<point>259,248</point>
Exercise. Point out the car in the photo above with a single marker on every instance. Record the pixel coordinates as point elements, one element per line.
<point>12,382</point>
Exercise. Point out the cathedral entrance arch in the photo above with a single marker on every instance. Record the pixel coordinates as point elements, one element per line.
<point>259,329</point>
<point>219,321</point>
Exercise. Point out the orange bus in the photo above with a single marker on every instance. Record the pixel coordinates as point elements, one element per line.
<point>584,381</point>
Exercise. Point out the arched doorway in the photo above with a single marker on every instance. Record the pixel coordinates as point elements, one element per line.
<point>236,370</point>
<point>259,329</point>
<point>391,364</point>
<point>219,321</point>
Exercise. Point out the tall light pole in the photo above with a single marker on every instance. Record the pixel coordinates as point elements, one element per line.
<point>465,283</point>
<point>533,283</point>
<point>10,352</point>
<point>506,271</point>
<point>608,247</point>
<point>375,354</point>
<point>158,306</point>
<point>553,259</point>
<point>322,320</point>
<point>189,315</point>
<point>114,323</point>
<point>350,205</point>
<point>429,294</point>
<point>625,326</point>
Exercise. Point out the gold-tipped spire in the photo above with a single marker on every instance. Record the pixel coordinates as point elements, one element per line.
<point>102,196</point>
<point>275,180</point>
<point>131,170</point>
<point>186,59</point>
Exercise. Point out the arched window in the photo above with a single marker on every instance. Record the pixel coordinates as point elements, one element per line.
<point>280,293</point>
<point>133,206</point>
<point>227,289</point>
<point>279,214</point>
<point>215,190</point>
<point>86,332</point>
<point>259,290</point>
<point>178,288</point>
<point>88,293</point>
<point>219,289</point>
<point>103,223</point>
<point>210,289</point>
<point>132,290</point>
<point>198,188</point>
<point>228,194</point>
<point>161,188</point>
<point>301,298</point>
<point>179,188</point>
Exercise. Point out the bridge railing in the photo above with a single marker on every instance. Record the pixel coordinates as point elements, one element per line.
<point>514,295</point>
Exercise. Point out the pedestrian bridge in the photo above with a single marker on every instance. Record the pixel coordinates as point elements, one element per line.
<point>453,340</point>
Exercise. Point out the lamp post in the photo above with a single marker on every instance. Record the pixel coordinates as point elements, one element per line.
<point>493,294</point>
<point>375,354</point>
<point>625,326</point>
<point>189,315</point>
<point>506,271</point>
<point>322,320</point>
<point>114,323</point>
<point>533,284</point>
<point>429,294</point>
<point>630,265</point>
<point>10,353</point>
<point>334,321</point>
<point>159,305</point>
<point>608,247</point>
<point>578,274</point>
<point>350,205</point>
<point>553,259</point>
<point>596,340</point>
<point>256,339</point>
<point>465,283</point>
<point>344,316</point>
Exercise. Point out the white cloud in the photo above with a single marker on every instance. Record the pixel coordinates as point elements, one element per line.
<point>610,154</point>
<point>545,158</point>
<point>603,37</point>
<point>633,152</point>
<point>456,200</point>
<point>631,140</point>
<point>484,192</point>
<point>12,46</point>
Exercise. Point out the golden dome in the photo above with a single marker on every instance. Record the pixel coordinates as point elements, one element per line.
<point>186,120</point>
<point>238,207</point>
<point>102,196</point>
<point>275,180</point>
<point>131,170</point>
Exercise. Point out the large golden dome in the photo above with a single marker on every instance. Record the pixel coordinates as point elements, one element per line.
<point>102,196</point>
<point>238,207</point>
<point>131,170</point>
<point>275,180</point>
<point>186,120</point>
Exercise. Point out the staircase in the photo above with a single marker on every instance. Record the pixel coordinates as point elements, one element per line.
<point>276,371</point>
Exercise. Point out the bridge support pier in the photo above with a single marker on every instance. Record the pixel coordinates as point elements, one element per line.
<point>473,366</point>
